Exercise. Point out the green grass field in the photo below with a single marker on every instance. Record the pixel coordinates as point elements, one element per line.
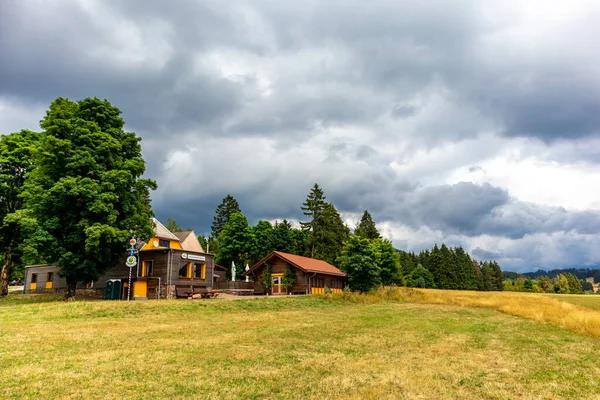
<point>588,301</point>
<point>302,347</point>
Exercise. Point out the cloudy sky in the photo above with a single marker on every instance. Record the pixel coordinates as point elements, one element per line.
<point>469,122</point>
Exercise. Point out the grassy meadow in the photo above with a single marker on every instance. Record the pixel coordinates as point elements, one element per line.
<point>397,344</point>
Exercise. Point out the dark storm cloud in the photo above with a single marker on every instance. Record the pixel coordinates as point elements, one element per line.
<point>395,50</point>
<point>481,254</point>
<point>376,82</point>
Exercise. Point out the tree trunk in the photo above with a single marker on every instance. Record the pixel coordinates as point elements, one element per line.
<point>4,274</point>
<point>70,291</point>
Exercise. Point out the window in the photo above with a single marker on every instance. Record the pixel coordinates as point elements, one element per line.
<point>185,270</point>
<point>33,284</point>
<point>200,270</point>
<point>164,243</point>
<point>49,280</point>
<point>146,268</point>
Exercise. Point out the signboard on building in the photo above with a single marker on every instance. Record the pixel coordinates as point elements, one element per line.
<point>192,257</point>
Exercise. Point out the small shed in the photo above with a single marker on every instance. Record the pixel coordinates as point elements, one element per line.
<point>312,276</point>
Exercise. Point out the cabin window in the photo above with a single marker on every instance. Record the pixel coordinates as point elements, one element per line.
<point>33,284</point>
<point>164,243</point>
<point>185,270</point>
<point>49,276</point>
<point>200,270</point>
<point>146,268</point>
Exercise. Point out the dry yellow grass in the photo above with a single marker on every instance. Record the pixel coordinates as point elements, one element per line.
<point>537,307</point>
<point>306,347</point>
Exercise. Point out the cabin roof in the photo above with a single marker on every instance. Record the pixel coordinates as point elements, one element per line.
<point>161,231</point>
<point>306,264</point>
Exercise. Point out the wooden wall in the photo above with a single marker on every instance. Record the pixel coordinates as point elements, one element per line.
<point>305,282</point>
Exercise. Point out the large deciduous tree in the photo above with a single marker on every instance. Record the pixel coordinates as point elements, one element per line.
<point>236,242</point>
<point>388,261</point>
<point>15,162</point>
<point>358,260</point>
<point>86,191</point>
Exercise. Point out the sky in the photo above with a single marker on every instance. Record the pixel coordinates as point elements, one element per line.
<point>467,122</point>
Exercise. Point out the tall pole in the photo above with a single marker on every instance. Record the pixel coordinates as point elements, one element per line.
<point>129,284</point>
<point>131,262</point>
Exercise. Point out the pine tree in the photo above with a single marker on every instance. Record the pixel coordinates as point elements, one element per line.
<point>435,265</point>
<point>497,276</point>
<point>465,271</point>
<point>448,269</point>
<point>313,207</point>
<point>223,213</point>
<point>366,228</point>
<point>478,276</point>
<point>330,233</point>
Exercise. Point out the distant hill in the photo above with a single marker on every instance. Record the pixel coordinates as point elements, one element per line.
<point>581,273</point>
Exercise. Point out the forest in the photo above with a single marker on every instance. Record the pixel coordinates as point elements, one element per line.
<point>74,192</point>
<point>368,259</point>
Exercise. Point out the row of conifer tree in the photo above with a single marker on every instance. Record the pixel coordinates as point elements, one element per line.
<point>369,259</point>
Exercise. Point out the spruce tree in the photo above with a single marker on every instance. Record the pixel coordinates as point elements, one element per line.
<point>366,228</point>
<point>330,233</point>
<point>497,276</point>
<point>313,208</point>
<point>223,213</point>
<point>435,265</point>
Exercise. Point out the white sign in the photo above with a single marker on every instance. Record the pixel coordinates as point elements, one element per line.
<point>192,257</point>
<point>132,241</point>
<point>131,261</point>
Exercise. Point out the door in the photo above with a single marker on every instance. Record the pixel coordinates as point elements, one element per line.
<point>140,289</point>
<point>276,284</point>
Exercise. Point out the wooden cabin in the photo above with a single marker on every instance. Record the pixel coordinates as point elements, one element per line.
<point>169,263</point>
<point>312,276</point>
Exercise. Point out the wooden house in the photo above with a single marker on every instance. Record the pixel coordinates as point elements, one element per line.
<point>312,276</point>
<point>169,263</point>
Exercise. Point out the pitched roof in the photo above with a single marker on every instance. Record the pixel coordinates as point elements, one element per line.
<point>189,241</point>
<point>160,231</point>
<point>304,263</point>
<point>220,267</point>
